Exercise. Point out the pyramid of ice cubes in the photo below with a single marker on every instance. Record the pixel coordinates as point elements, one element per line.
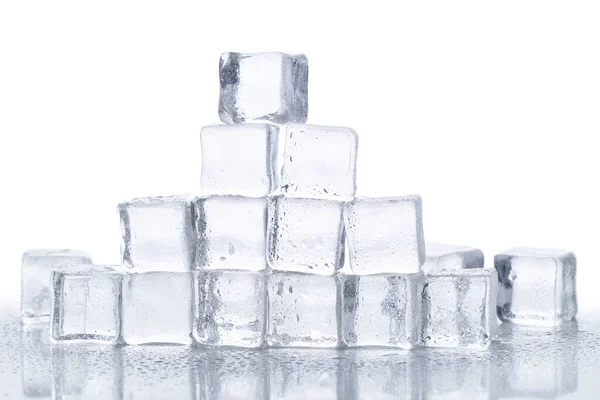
<point>279,252</point>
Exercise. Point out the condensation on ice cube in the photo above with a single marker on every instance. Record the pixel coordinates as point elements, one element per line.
<point>239,159</point>
<point>381,310</point>
<point>36,269</point>
<point>305,235</point>
<point>319,162</point>
<point>385,235</point>
<point>458,308</point>
<point>86,305</point>
<point>537,286</point>
<point>448,256</point>
<point>157,308</point>
<point>303,310</point>
<point>230,308</point>
<point>231,232</point>
<point>158,234</point>
<point>269,87</point>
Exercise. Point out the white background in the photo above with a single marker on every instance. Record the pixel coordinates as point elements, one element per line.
<point>489,110</point>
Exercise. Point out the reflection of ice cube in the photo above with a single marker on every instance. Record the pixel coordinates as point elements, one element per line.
<point>36,268</point>
<point>36,362</point>
<point>537,286</point>
<point>458,308</point>
<point>239,159</point>
<point>381,310</point>
<point>263,87</point>
<point>385,235</point>
<point>444,256</point>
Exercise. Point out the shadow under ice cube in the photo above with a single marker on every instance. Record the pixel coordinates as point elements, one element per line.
<point>230,308</point>
<point>263,87</point>
<point>239,159</point>
<point>158,234</point>
<point>303,310</point>
<point>537,286</point>
<point>458,308</point>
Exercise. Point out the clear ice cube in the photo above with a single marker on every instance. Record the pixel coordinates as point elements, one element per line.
<point>385,235</point>
<point>458,308</point>
<point>537,286</point>
<point>305,235</point>
<point>85,306</point>
<point>239,159</point>
<point>36,270</point>
<point>158,234</point>
<point>319,162</point>
<point>447,256</point>
<point>157,308</point>
<point>381,310</point>
<point>263,87</point>
<point>230,308</point>
<point>302,310</point>
<point>231,232</point>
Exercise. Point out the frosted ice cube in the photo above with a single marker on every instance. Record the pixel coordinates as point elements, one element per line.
<point>36,361</point>
<point>157,308</point>
<point>447,256</point>
<point>385,235</point>
<point>537,286</point>
<point>230,308</point>
<point>85,306</point>
<point>381,310</point>
<point>263,87</point>
<point>302,310</point>
<point>458,308</point>
<point>239,159</point>
<point>36,269</point>
<point>231,232</point>
<point>305,235</point>
<point>319,162</point>
<point>158,234</point>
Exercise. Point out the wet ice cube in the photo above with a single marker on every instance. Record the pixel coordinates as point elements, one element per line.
<point>319,162</point>
<point>447,256</point>
<point>537,286</point>
<point>157,308</point>
<point>36,270</point>
<point>458,308</point>
<point>381,310</point>
<point>158,234</point>
<point>263,87</point>
<point>230,308</point>
<point>231,232</point>
<point>302,310</point>
<point>85,306</point>
<point>239,159</point>
<point>305,235</point>
<point>385,235</point>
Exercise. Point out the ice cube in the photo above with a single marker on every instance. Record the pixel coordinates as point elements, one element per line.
<point>263,87</point>
<point>157,308</point>
<point>36,361</point>
<point>381,310</point>
<point>385,235</point>
<point>36,268</point>
<point>158,234</point>
<point>305,235</point>
<point>302,310</point>
<point>458,308</point>
<point>230,308</point>
<point>85,305</point>
<point>319,162</point>
<point>447,256</point>
<point>537,286</point>
<point>239,159</point>
<point>231,232</point>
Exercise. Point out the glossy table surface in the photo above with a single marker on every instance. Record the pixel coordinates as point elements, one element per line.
<point>522,363</point>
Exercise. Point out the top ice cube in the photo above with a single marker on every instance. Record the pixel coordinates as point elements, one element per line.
<point>448,256</point>
<point>269,87</point>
